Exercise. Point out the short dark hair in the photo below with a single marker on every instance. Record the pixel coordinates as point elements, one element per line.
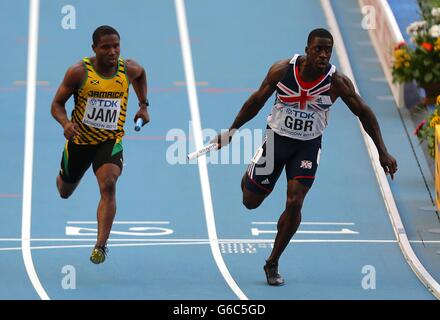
<point>321,33</point>
<point>103,31</point>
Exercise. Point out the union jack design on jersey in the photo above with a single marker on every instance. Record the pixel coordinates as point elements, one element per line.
<point>303,98</point>
<point>301,108</point>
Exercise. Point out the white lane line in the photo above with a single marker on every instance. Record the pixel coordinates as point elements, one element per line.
<point>29,148</point>
<point>94,239</point>
<point>120,222</point>
<point>198,137</point>
<point>205,242</point>
<point>109,245</point>
<point>250,240</point>
<point>257,232</point>
<point>38,83</point>
<point>169,242</point>
<point>425,277</point>
<point>311,223</point>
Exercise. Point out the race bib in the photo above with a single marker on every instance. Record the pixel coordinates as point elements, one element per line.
<point>102,113</point>
<point>298,124</point>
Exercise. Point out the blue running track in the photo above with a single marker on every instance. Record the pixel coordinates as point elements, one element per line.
<point>159,248</point>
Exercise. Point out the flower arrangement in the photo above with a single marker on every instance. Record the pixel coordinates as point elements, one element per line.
<point>426,128</point>
<point>419,61</point>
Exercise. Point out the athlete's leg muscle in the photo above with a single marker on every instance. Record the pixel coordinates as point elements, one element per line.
<point>107,176</point>
<point>290,219</point>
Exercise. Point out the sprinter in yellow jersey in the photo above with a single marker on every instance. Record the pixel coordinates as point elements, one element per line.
<point>94,132</point>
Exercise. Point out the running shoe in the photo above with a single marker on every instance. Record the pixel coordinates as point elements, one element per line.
<point>272,275</point>
<point>99,254</point>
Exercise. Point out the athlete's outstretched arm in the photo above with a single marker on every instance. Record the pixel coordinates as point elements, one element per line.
<point>138,77</point>
<point>73,78</point>
<point>256,101</point>
<point>345,89</point>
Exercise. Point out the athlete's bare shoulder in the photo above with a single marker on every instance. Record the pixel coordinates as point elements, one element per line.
<point>132,64</point>
<point>277,71</point>
<point>339,78</point>
<point>75,75</point>
<point>133,69</point>
<point>341,85</point>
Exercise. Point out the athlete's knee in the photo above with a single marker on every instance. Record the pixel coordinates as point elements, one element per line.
<point>108,185</point>
<point>252,202</point>
<point>64,194</point>
<point>63,190</point>
<point>294,204</point>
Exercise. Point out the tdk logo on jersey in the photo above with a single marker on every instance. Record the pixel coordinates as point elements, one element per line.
<point>103,103</point>
<point>301,114</point>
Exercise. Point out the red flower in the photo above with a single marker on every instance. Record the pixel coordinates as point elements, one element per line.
<point>427,46</point>
<point>400,45</point>
<point>419,127</point>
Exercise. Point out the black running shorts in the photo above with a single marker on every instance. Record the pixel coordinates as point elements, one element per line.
<point>300,158</point>
<point>76,158</point>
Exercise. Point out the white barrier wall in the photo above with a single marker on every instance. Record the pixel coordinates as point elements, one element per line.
<point>385,34</point>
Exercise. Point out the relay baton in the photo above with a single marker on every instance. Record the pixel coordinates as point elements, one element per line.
<point>202,151</point>
<point>139,123</point>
